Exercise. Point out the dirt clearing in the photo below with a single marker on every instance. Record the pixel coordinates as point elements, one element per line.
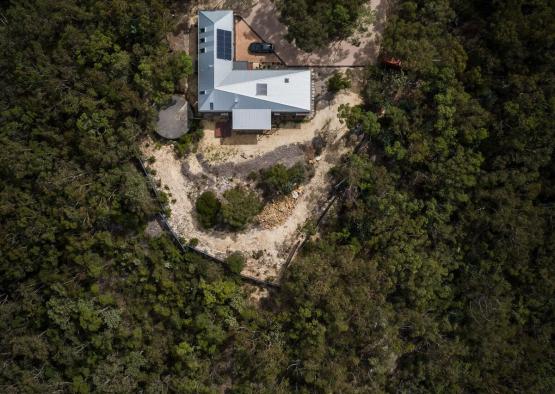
<point>360,49</point>
<point>222,163</point>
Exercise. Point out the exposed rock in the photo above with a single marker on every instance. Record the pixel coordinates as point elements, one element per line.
<point>277,212</point>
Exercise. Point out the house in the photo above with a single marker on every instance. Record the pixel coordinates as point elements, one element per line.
<point>251,97</point>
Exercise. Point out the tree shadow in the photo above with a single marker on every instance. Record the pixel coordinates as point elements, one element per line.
<point>240,139</point>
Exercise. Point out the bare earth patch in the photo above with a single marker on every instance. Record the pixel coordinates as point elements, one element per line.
<point>360,49</point>
<point>267,243</point>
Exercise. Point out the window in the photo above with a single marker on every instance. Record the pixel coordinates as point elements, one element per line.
<point>286,80</point>
<point>203,39</point>
<point>211,106</point>
<point>202,29</point>
<point>203,92</point>
<point>202,50</point>
<point>261,89</point>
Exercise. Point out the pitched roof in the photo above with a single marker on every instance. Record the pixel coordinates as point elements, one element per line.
<point>223,89</point>
<point>251,119</point>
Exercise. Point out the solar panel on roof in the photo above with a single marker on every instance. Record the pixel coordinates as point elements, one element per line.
<point>223,44</point>
<point>220,44</point>
<point>228,45</point>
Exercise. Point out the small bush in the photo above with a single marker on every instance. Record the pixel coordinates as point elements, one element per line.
<point>253,176</point>
<point>208,209</point>
<point>338,82</point>
<point>318,143</point>
<point>187,142</point>
<point>236,262</point>
<point>240,206</point>
<point>279,180</point>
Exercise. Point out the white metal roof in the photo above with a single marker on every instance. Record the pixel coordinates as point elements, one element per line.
<point>223,89</point>
<point>251,119</point>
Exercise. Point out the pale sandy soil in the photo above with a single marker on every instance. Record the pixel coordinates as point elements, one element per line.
<point>186,179</point>
<point>244,36</point>
<point>360,49</point>
<point>241,148</point>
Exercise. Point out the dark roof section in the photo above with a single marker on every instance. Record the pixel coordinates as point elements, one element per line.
<point>223,44</point>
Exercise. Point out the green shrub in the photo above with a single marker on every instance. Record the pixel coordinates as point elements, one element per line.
<point>329,20</point>
<point>236,262</point>
<point>279,180</point>
<point>208,209</point>
<point>240,206</point>
<point>338,82</point>
<point>188,141</point>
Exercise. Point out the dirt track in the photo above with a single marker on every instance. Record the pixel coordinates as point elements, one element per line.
<point>273,242</point>
<point>264,19</point>
<point>221,163</point>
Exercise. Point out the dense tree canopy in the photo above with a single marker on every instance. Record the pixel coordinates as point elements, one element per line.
<point>433,273</point>
<point>443,241</point>
<point>314,23</point>
<point>436,272</point>
<point>88,303</point>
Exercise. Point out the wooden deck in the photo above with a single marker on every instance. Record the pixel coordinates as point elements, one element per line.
<point>223,129</point>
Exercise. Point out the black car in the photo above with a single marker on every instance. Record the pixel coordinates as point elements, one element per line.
<point>261,47</point>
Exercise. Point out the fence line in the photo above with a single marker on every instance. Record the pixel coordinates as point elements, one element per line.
<point>335,193</point>
<point>162,219</point>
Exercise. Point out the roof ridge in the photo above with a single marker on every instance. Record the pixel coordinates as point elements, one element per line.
<point>261,99</point>
<point>282,73</point>
<point>215,15</point>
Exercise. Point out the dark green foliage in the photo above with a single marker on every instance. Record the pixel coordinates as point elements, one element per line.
<point>433,271</point>
<point>314,23</point>
<point>236,262</point>
<point>87,303</point>
<point>208,209</point>
<point>279,180</point>
<point>447,206</point>
<point>436,274</point>
<point>187,142</point>
<point>241,205</point>
<point>338,81</point>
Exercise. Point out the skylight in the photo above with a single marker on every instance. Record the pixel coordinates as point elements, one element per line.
<point>261,89</point>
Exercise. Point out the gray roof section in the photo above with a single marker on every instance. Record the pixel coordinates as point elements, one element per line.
<point>173,120</point>
<point>239,76</point>
<point>252,119</point>
<point>216,16</point>
<point>228,89</point>
<point>211,69</point>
